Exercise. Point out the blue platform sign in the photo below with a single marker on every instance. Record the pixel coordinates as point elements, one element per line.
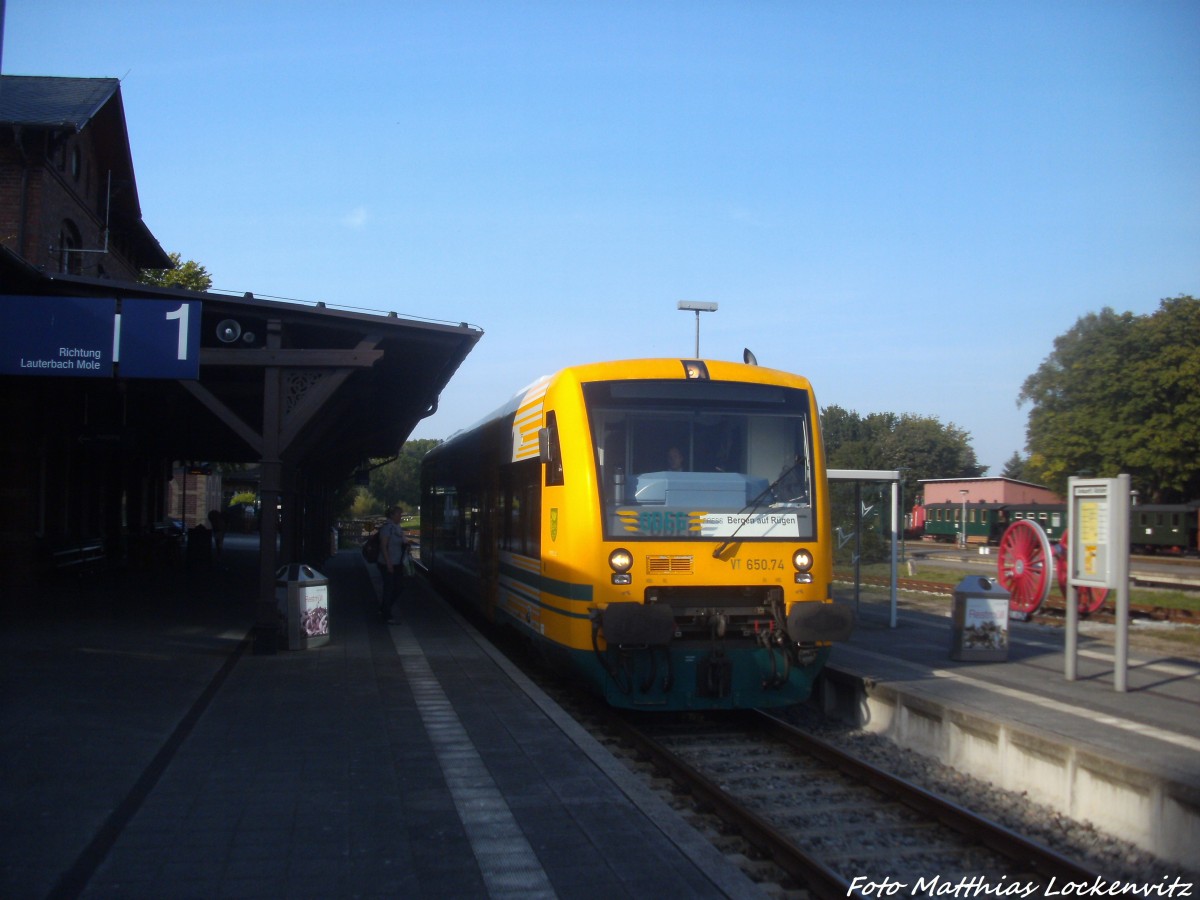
<point>96,337</point>
<point>159,339</point>
<point>58,336</point>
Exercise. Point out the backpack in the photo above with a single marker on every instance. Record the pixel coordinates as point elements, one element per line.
<point>370,548</point>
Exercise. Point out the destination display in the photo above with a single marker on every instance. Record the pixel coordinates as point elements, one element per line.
<point>99,337</point>
<point>57,336</point>
<point>759,524</point>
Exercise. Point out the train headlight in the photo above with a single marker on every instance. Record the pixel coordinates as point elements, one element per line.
<point>621,561</point>
<point>802,559</point>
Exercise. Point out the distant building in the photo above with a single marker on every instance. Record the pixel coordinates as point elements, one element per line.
<point>192,492</point>
<point>986,490</point>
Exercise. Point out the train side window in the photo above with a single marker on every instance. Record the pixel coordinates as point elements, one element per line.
<point>551,451</point>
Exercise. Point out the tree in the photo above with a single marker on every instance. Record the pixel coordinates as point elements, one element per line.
<point>394,483</point>
<point>920,446</point>
<point>1016,468</point>
<point>1118,394</point>
<point>190,275</point>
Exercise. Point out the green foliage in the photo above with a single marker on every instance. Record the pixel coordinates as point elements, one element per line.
<point>243,497</point>
<point>1017,468</point>
<point>1118,394</point>
<point>921,446</point>
<point>364,505</point>
<point>190,275</point>
<point>396,482</point>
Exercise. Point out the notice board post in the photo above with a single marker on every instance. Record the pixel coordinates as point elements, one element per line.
<point>1098,557</point>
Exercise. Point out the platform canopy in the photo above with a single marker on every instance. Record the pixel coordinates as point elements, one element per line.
<point>350,385</point>
<point>310,393</point>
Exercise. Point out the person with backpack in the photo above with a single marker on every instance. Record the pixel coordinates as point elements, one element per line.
<point>393,547</point>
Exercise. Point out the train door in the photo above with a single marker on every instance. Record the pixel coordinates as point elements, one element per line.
<point>491,529</point>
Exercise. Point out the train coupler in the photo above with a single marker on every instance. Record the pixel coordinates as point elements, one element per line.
<point>714,675</point>
<point>772,643</point>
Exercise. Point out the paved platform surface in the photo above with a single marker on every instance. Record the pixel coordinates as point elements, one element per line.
<point>1156,720</point>
<point>1078,745</point>
<point>149,752</point>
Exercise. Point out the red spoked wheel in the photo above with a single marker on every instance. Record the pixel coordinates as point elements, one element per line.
<point>1088,600</point>
<point>1026,567</point>
<point>1091,599</point>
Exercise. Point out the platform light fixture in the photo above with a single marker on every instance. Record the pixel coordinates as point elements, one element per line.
<point>697,307</point>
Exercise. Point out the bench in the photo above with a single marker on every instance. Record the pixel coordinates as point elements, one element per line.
<point>82,558</point>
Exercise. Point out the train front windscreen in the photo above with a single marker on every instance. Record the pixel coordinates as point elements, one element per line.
<point>700,460</point>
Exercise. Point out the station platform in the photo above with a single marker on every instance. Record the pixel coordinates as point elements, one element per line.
<point>1128,762</point>
<point>149,752</point>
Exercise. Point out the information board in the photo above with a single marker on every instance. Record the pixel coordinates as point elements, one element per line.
<point>57,336</point>
<point>1098,525</point>
<point>1098,528</point>
<point>99,337</point>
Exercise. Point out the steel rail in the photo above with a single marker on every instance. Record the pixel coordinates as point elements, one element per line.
<point>808,871</point>
<point>1036,857</point>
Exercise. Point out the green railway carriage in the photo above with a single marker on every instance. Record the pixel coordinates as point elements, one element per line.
<point>986,522</point>
<point>1153,527</point>
<point>1165,528</point>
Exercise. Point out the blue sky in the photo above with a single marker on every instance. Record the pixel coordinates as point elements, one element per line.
<point>905,202</point>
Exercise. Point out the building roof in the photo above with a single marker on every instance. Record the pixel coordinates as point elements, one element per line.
<point>53,102</point>
<point>71,104</point>
<point>979,479</point>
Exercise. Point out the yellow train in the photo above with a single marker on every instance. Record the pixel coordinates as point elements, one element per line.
<point>659,527</point>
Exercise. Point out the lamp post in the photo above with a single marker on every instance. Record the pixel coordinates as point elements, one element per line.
<point>697,307</point>
<point>964,493</point>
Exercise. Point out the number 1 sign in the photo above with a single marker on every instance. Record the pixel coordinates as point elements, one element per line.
<point>158,339</point>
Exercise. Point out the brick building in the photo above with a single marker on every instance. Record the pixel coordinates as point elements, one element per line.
<point>985,490</point>
<point>68,198</point>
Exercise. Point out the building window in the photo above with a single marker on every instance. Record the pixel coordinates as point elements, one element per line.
<point>70,260</point>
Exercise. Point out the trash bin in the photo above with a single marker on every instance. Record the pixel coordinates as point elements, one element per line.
<point>979,621</point>
<point>302,594</point>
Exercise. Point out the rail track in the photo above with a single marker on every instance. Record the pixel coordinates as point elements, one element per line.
<point>837,826</point>
<point>1053,609</point>
<point>803,818</point>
